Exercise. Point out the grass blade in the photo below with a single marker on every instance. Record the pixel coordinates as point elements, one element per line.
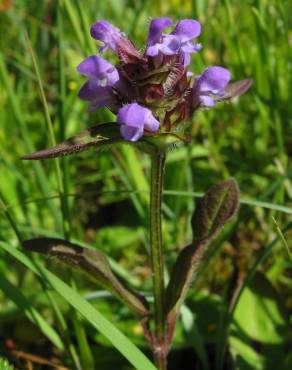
<point>24,304</point>
<point>95,318</point>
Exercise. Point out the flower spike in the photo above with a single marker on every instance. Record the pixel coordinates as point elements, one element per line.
<point>153,93</point>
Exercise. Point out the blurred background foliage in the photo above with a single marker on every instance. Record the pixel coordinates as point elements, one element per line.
<point>105,194</point>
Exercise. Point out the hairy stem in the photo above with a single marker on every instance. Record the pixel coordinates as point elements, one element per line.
<point>157,263</point>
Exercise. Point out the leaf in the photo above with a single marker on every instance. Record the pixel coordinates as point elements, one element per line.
<point>98,136</point>
<point>218,205</point>
<point>105,135</point>
<point>235,89</point>
<point>260,329</point>
<point>4,365</point>
<point>92,262</point>
<point>193,335</point>
<point>94,317</point>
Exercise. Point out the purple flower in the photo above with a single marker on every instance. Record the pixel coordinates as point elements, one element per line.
<point>103,97</point>
<point>133,119</point>
<point>104,31</point>
<point>157,25</point>
<point>168,46</point>
<point>99,70</point>
<point>187,29</point>
<point>211,83</point>
<point>180,39</point>
<point>159,42</point>
<point>102,75</point>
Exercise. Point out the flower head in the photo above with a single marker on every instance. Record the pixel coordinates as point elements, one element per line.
<point>154,91</point>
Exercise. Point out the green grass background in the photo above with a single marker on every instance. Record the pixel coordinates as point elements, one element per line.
<point>101,198</point>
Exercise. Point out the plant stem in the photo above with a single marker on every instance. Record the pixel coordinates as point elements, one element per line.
<point>157,263</point>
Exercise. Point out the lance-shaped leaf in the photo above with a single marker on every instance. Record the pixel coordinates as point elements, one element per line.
<point>96,137</point>
<point>235,89</point>
<point>94,263</point>
<point>218,205</point>
<point>216,208</point>
<point>104,135</point>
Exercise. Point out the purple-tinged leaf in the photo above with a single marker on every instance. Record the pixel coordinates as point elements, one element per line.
<point>95,137</point>
<point>128,53</point>
<point>92,262</point>
<point>235,89</point>
<point>218,205</point>
<point>213,211</point>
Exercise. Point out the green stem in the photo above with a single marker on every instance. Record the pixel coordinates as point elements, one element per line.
<point>157,263</point>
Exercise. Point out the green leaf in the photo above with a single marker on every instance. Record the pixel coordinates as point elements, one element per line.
<point>94,317</point>
<point>218,205</point>
<point>193,334</point>
<point>260,329</point>
<point>4,365</point>
<point>98,136</point>
<point>92,262</point>
<point>163,142</point>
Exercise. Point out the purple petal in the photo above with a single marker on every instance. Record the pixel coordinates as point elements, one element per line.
<point>132,115</point>
<point>98,68</point>
<point>187,60</point>
<point>187,29</point>
<point>187,49</point>
<point>152,50</point>
<point>93,66</point>
<point>98,96</point>
<point>88,90</point>
<point>213,79</point>
<point>169,46</point>
<point>206,101</point>
<point>191,47</point>
<point>156,27</point>
<point>131,133</point>
<point>105,98</point>
<point>106,32</point>
<point>133,118</point>
<point>110,103</point>
<point>151,123</point>
<point>212,82</point>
